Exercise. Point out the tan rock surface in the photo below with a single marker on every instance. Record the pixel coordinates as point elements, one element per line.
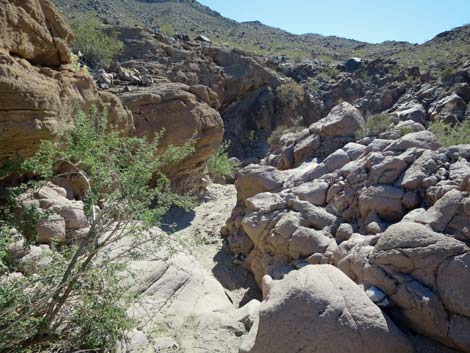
<point>182,115</point>
<point>35,31</point>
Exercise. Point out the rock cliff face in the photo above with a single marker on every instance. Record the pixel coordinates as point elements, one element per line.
<point>40,91</point>
<point>34,30</point>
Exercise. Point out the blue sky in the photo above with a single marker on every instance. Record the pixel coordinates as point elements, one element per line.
<point>368,20</point>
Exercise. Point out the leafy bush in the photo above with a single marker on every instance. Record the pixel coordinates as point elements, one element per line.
<point>167,28</point>
<point>97,47</point>
<point>405,131</point>
<point>449,135</point>
<point>79,301</point>
<point>375,125</point>
<point>220,164</point>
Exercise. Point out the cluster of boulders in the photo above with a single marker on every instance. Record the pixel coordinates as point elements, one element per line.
<point>60,220</point>
<point>383,85</point>
<point>122,76</point>
<point>391,213</point>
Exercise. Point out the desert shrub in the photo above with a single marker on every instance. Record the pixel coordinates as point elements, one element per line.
<point>375,125</point>
<point>220,164</point>
<point>447,71</point>
<point>405,131</point>
<point>291,94</point>
<point>450,135</point>
<point>291,90</point>
<point>79,302</point>
<point>167,28</point>
<point>297,59</point>
<point>78,66</point>
<point>96,46</point>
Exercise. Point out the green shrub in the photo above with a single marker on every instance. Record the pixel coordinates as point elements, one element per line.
<point>405,131</point>
<point>96,46</point>
<point>220,164</point>
<point>167,28</point>
<point>79,302</point>
<point>375,125</point>
<point>447,71</point>
<point>449,135</point>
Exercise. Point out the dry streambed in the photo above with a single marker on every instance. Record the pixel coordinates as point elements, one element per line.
<point>190,301</point>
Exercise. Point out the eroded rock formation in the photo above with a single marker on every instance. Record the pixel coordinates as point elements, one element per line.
<point>40,90</point>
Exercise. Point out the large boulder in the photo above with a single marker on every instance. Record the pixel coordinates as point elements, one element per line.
<point>180,114</point>
<point>255,179</point>
<point>451,109</point>
<point>35,31</point>
<point>385,200</point>
<point>319,309</point>
<point>422,139</point>
<point>343,121</point>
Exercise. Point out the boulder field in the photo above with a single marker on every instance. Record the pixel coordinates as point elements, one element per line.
<point>390,213</point>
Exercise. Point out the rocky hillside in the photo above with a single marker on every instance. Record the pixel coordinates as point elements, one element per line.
<point>192,18</point>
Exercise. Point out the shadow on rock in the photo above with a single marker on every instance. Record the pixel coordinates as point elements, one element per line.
<point>240,283</point>
<point>177,219</point>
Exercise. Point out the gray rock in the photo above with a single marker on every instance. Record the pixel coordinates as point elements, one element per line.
<point>323,298</point>
<point>423,139</point>
<point>317,216</point>
<point>422,168</point>
<point>344,232</point>
<point>354,150</point>
<point>343,121</point>
<point>384,200</point>
<point>306,149</point>
<point>412,111</point>
<point>307,241</point>
<point>336,160</point>
<point>387,171</point>
<point>440,214</point>
<point>313,192</point>
<point>265,202</point>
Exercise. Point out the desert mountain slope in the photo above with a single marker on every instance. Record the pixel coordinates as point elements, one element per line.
<point>191,17</point>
